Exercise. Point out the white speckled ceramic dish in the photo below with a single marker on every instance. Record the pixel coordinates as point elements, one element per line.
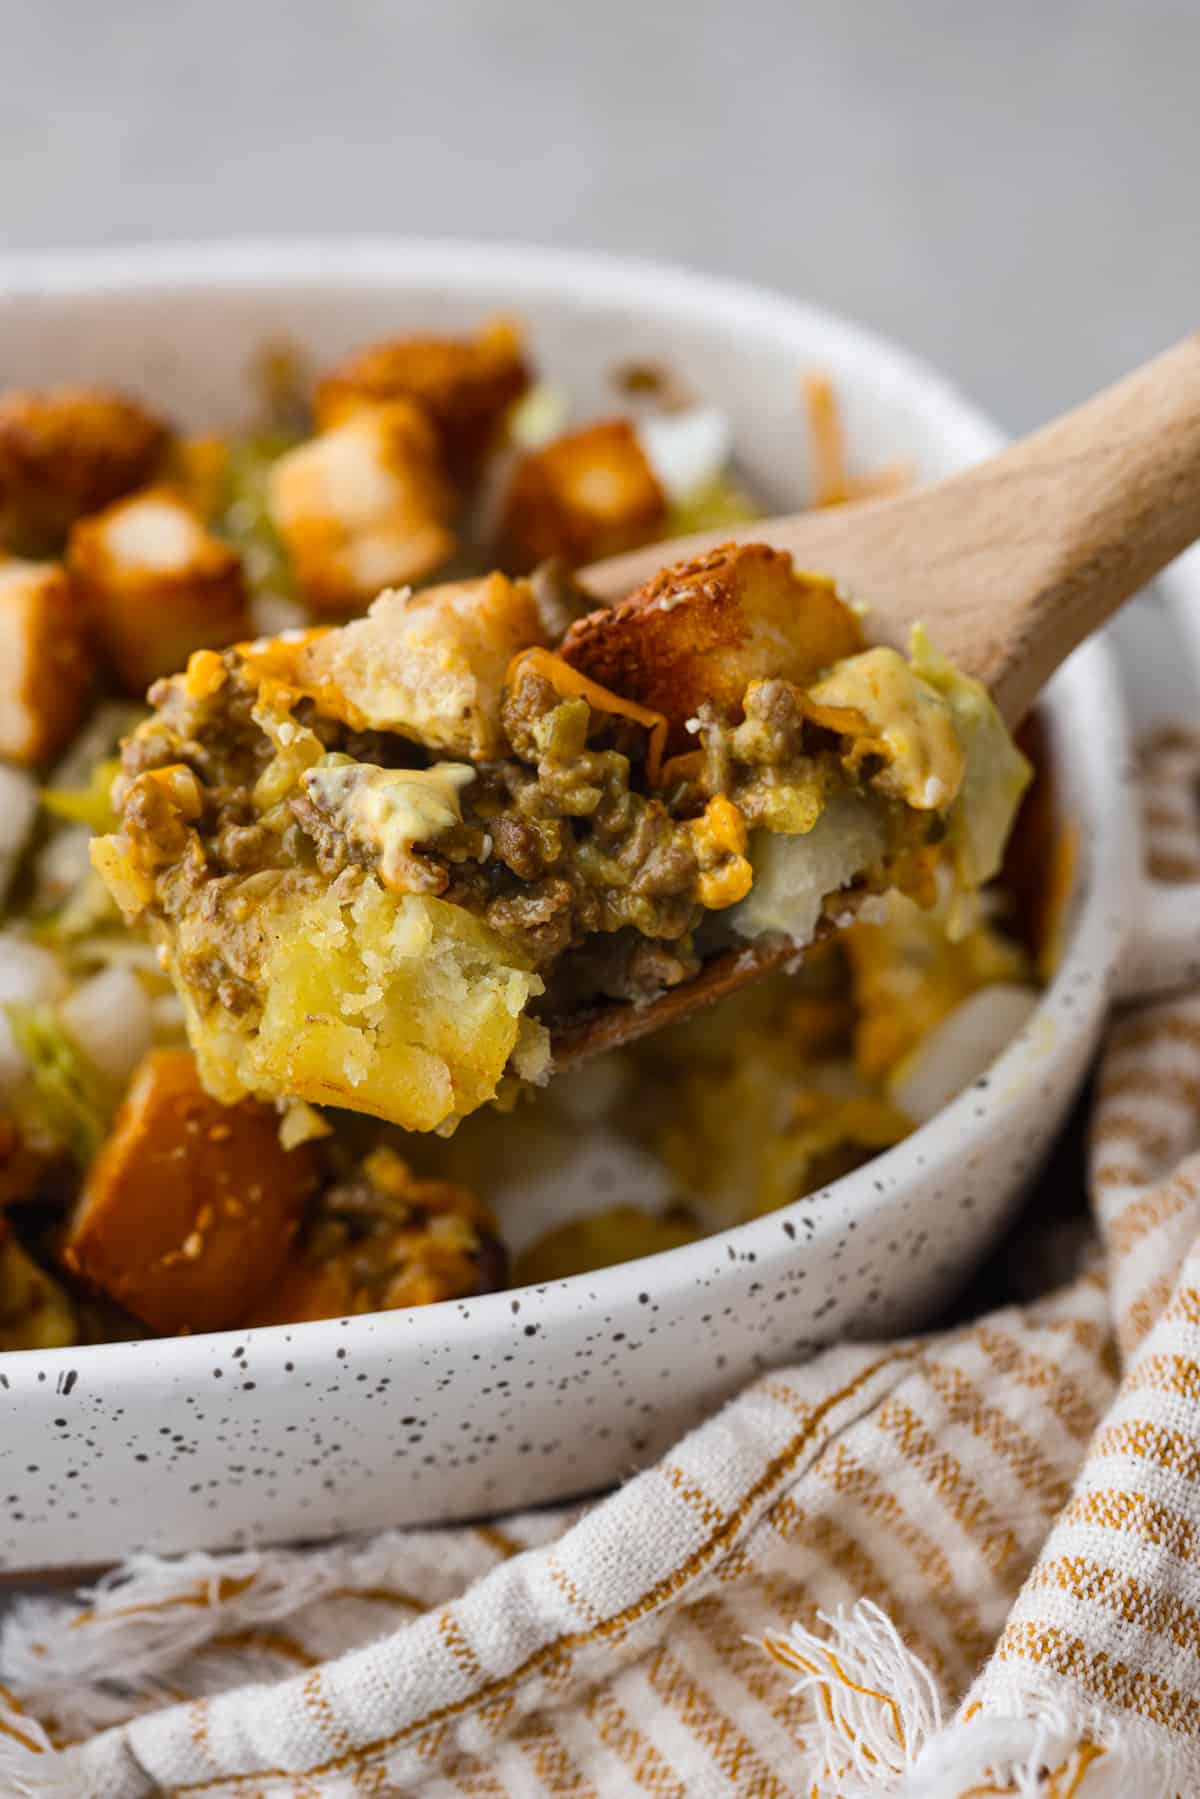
<point>516,1398</point>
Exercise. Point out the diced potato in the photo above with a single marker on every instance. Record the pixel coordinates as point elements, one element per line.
<point>962,1048</point>
<point>590,494</point>
<point>407,1009</point>
<point>431,665</point>
<point>46,661</point>
<point>65,452</point>
<point>188,1211</point>
<point>464,385</point>
<point>703,630</point>
<point>111,1017</point>
<point>35,1313</point>
<point>364,506</point>
<point>157,585</point>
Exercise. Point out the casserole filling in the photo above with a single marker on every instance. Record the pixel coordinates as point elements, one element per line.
<point>374,863</point>
<point>383,861</point>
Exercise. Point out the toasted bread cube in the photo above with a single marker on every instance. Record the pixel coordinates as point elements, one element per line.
<point>431,665</point>
<point>46,661</point>
<point>65,452</point>
<point>464,385</point>
<point>303,1291</point>
<point>157,585</point>
<point>188,1212</point>
<point>703,630</point>
<point>590,494</point>
<point>363,507</point>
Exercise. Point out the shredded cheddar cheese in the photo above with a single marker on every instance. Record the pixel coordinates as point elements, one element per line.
<point>719,837</point>
<point>684,767</point>
<point>278,658</point>
<point>205,674</point>
<point>569,684</point>
<point>281,667</point>
<point>832,482</point>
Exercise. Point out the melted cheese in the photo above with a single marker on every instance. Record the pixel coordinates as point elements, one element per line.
<point>391,809</point>
<point>569,684</point>
<point>879,700</point>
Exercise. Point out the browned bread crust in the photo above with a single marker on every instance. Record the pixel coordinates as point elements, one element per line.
<point>703,630</point>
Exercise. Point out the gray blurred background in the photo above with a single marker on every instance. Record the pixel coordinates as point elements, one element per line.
<point>1009,187</point>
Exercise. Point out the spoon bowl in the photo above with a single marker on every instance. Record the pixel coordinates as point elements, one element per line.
<point>1008,565</point>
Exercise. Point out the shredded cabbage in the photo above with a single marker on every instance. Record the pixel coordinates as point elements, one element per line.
<point>89,805</point>
<point>539,416</point>
<point>65,1100</point>
<point>244,518</point>
<point>711,507</point>
<point>997,774</point>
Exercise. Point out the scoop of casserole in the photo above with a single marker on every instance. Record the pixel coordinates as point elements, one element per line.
<point>382,862</point>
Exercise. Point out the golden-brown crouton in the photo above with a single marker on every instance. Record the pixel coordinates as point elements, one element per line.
<point>46,660</point>
<point>304,1290</point>
<point>188,1211</point>
<point>463,384</point>
<point>703,630</point>
<point>590,494</point>
<point>197,468</point>
<point>67,451</point>
<point>363,507</point>
<point>156,585</point>
<point>430,665</point>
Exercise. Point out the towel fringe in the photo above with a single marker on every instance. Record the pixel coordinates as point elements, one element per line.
<point>152,1616</point>
<point>875,1704</point>
<point>1034,1749</point>
<point>31,1767</point>
<point>877,1728</point>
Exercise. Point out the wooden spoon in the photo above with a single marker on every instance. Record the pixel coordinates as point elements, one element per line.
<point>1009,566</point>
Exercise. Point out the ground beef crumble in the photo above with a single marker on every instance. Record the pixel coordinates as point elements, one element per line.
<point>562,847</point>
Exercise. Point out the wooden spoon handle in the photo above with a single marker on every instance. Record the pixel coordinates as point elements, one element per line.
<point>1009,565</point>
<point>1048,539</point>
<point>1012,563</point>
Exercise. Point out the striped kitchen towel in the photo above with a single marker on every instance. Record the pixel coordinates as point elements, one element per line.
<point>958,1565</point>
